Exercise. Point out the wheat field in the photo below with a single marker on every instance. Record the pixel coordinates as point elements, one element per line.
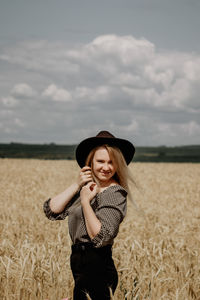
<point>157,251</point>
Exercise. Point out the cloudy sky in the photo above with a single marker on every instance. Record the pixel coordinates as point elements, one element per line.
<point>70,68</point>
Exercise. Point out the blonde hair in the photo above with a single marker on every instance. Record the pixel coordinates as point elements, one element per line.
<point>122,175</point>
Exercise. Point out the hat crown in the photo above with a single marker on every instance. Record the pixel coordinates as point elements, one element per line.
<point>104,134</point>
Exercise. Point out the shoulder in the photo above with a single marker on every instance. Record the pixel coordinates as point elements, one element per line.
<point>116,188</point>
<point>113,194</point>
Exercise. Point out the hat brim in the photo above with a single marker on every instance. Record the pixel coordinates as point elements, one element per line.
<point>84,148</point>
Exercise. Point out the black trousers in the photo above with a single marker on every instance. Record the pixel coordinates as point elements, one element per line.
<point>94,272</point>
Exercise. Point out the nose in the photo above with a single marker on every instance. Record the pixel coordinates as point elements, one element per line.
<point>106,167</point>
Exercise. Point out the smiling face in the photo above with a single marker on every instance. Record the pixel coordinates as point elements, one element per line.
<point>103,167</point>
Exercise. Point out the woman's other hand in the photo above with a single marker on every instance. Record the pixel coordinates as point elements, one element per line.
<point>88,192</point>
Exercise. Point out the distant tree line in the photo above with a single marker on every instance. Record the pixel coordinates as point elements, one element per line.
<point>142,154</point>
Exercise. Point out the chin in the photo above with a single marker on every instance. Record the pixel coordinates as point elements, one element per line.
<point>104,179</point>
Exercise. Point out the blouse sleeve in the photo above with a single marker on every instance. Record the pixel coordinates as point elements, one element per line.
<point>58,216</point>
<point>110,212</point>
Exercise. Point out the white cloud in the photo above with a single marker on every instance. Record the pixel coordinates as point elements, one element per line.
<point>56,94</point>
<point>126,79</point>
<point>192,68</point>
<point>133,126</point>
<point>83,92</point>
<point>163,79</point>
<point>126,49</point>
<point>23,90</point>
<point>122,49</point>
<point>190,128</point>
<point>113,81</point>
<point>40,56</point>
<point>9,102</point>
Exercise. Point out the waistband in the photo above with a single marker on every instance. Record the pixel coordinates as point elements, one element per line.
<point>81,247</point>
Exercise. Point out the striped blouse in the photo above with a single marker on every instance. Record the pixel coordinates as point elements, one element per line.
<point>110,208</point>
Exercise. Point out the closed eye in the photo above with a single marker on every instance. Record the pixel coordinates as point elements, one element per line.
<point>100,160</point>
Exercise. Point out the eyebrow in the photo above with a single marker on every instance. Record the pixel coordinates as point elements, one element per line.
<point>100,159</point>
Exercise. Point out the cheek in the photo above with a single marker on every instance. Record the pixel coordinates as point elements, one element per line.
<point>113,168</point>
<point>96,167</point>
<point>113,172</point>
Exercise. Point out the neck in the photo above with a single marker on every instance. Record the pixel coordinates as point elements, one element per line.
<point>105,184</point>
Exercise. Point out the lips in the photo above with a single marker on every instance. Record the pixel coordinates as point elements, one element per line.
<point>105,174</point>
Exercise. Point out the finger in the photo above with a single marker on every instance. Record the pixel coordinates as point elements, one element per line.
<point>83,175</point>
<point>85,168</point>
<point>91,184</point>
<point>93,187</point>
<point>85,181</point>
<point>86,173</point>
<point>86,177</point>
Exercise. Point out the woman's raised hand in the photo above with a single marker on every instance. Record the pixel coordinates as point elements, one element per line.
<point>85,176</point>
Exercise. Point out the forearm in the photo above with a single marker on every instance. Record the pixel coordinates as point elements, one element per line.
<point>93,224</point>
<point>58,203</point>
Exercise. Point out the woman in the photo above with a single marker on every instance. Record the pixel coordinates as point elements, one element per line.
<point>95,205</point>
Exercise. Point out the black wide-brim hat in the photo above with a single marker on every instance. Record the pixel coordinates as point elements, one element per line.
<point>104,138</point>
